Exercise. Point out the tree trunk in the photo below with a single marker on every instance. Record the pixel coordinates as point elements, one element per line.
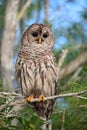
<point>46,10</point>
<point>8,40</point>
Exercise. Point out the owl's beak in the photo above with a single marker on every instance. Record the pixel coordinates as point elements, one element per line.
<point>40,40</point>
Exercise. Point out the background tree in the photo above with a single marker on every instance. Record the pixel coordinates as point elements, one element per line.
<point>8,40</point>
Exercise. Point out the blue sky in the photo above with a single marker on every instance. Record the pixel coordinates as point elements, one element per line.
<point>61,14</point>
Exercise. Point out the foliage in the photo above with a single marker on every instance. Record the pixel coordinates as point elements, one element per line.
<point>74,108</point>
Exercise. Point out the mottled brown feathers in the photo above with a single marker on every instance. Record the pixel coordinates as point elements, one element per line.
<point>36,68</point>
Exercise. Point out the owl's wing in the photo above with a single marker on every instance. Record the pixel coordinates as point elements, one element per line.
<point>18,75</point>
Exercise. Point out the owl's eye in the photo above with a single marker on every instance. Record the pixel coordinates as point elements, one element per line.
<point>45,35</point>
<point>34,34</point>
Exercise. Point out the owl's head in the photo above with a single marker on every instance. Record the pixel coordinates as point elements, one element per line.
<point>38,35</point>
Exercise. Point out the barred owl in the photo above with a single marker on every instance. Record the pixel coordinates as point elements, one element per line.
<point>36,70</point>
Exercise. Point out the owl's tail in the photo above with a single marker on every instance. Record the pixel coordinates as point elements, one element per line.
<point>43,109</point>
<point>47,125</point>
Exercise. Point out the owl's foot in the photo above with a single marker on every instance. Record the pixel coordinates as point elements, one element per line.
<point>41,98</point>
<point>28,99</point>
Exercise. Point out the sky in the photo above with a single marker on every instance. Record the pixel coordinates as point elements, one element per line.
<point>61,14</point>
<point>61,10</point>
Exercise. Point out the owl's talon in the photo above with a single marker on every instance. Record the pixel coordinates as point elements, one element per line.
<point>28,99</point>
<point>41,98</point>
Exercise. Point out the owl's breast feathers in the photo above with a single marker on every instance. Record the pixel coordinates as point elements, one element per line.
<point>37,74</point>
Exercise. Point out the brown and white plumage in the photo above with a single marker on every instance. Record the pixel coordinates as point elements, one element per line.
<point>36,68</point>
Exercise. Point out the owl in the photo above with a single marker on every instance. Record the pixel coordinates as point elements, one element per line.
<point>36,70</point>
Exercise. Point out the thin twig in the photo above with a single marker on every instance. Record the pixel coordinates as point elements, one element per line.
<point>63,120</point>
<point>73,65</point>
<point>61,60</point>
<point>75,75</point>
<point>81,97</point>
<point>83,106</point>
<point>12,103</point>
<point>26,5</point>
<point>10,94</point>
<point>3,107</point>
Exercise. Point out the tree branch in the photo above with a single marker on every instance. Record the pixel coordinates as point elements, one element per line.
<point>73,65</point>
<point>46,10</point>
<point>81,97</point>
<point>36,99</point>
<point>21,13</point>
<point>60,62</point>
<point>63,120</point>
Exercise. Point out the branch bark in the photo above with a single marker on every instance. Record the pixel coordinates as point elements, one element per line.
<point>73,65</point>
<point>22,11</point>
<point>61,60</point>
<point>46,10</point>
<point>36,99</point>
